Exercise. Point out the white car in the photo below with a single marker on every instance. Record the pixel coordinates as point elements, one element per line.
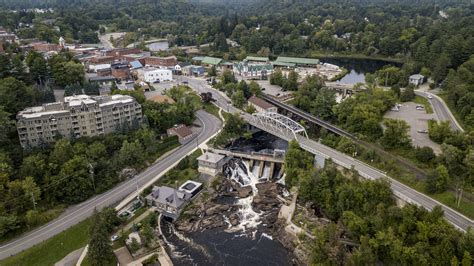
<point>430,97</point>
<point>114,238</point>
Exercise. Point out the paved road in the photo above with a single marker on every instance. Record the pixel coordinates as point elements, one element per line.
<point>441,109</point>
<point>80,212</point>
<point>400,190</point>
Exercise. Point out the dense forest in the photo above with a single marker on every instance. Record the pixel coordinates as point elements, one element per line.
<point>365,211</point>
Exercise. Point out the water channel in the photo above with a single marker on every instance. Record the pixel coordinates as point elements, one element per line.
<point>357,67</point>
<point>246,244</point>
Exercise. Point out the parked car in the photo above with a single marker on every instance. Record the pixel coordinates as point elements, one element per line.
<point>114,238</point>
<point>420,107</point>
<point>185,82</point>
<point>430,97</point>
<point>423,131</point>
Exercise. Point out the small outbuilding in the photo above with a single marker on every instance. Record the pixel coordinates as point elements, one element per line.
<point>183,132</point>
<point>191,187</point>
<point>210,163</point>
<point>416,79</point>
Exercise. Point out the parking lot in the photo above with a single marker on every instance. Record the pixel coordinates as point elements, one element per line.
<point>417,120</point>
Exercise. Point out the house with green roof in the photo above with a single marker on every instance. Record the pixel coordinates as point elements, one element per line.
<point>253,70</point>
<point>297,61</point>
<point>212,61</point>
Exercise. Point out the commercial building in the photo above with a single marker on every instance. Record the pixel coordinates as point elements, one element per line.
<point>155,74</point>
<point>77,116</point>
<point>210,163</point>
<point>262,105</point>
<point>120,71</point>
<point>253,70</point>
<point>193,70</point>
<point>282,60</point>
<point>119,52</point>
<point>156,61</point>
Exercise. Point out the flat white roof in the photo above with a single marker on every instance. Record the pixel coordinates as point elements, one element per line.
<point>211,157</point>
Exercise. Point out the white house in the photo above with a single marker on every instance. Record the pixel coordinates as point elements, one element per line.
<point>416,79</point>
<point>155,74</point>
<point>98,67</point>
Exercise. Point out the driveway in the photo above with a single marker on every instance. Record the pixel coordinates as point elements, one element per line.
<point>417,120</point>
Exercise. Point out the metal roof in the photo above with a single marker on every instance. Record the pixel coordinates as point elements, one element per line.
<point>211,60</point>
<point>297,60</point>
<point>276,63</point>
<point>257,58</point>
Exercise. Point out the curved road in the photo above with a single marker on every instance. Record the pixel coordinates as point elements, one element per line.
<point>402,191</point>
<point>441,109</point>
<point>78,213</point>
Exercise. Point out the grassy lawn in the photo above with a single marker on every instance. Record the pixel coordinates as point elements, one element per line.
<point>212,109</point>
<point>185,170</point>
<point>53,249</point>
<point>423,101</point>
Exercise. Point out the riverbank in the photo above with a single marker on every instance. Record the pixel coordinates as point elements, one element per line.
<point>231,223</point>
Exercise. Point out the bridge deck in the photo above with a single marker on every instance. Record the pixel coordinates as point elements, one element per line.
<point>400,190</point>
<point>252,155</point>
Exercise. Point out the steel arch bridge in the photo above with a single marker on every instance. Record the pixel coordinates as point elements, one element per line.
<point>275,122</point>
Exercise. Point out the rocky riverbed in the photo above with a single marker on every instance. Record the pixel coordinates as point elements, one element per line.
<point>223,208</point>
<point>217,225</point>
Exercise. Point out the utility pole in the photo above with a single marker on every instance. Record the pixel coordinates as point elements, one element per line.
<point>138,192</point>
<point>33,200</point>
<point>91,172</point>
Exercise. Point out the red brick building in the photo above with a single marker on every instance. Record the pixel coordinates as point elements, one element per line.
<point>45,47</point>
<point>119,52</point>
<point>156,61</point>
<point>120,71</point>
<point>102,60</point>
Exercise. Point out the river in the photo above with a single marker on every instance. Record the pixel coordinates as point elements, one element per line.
<point>245,244</point>
<point>357,67</point>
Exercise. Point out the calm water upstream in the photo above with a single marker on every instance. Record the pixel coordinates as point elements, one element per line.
<point>357,68</point>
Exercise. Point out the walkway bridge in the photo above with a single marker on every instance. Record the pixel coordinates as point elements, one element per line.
<point>275,157</point>
<point>321,151</point>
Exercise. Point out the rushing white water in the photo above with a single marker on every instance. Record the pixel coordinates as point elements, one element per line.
<point>240,172</point>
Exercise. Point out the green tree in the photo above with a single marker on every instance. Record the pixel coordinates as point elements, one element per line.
<point>14,95</point>
<point>100,251</point>
<point>73,183</point>
<point>424,154</point>
<point>291,83</point>
<point>276,78</point>
<point>466,259</point>
<point>238,99</point>
<point>254,88</point>
<point>437,180</point>
<point>131,154</point>
<point>395,134</point>
<point>438,132</point>
<point>408,94</point>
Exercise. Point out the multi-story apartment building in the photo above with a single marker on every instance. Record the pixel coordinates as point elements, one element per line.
<point>77,116</point>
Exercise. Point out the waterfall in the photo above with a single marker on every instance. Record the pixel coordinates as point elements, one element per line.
<point>239,171</point>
